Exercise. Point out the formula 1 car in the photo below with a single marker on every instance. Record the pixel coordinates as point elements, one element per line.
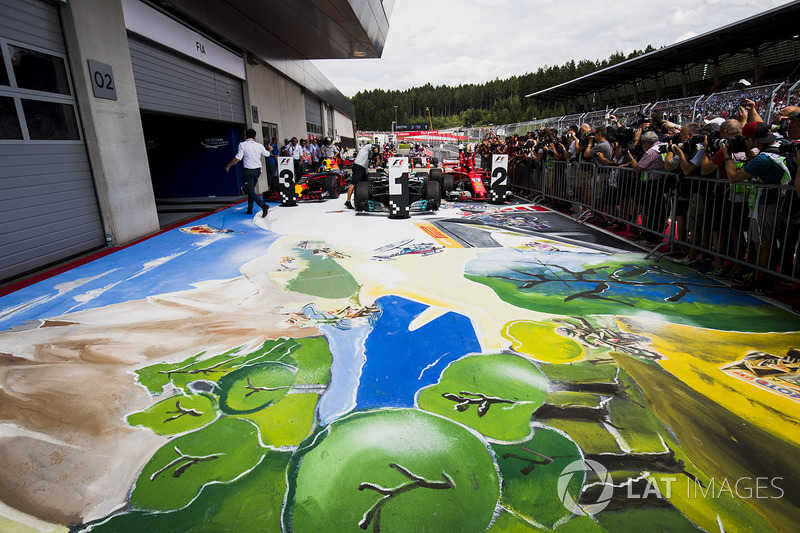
<point>327,182</point>
<point>461,179</point>
<point>373,194</point>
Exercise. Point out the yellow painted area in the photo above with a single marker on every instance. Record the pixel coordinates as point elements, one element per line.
<point>437,234</point>
<point>701,370</point>
<point>705,505</point>
<point>541,342</point>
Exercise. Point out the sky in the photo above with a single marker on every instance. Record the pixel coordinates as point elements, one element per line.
<point>453,42</point>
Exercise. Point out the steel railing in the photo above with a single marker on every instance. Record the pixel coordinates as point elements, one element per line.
<point>748,225</point>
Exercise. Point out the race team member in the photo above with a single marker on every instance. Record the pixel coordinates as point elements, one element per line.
<point>360,165</point>
<point>250,153</point>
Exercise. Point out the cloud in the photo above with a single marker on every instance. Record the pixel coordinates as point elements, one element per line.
<point>453,42</point>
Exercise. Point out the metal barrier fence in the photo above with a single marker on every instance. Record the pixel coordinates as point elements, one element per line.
<point>749,225</point>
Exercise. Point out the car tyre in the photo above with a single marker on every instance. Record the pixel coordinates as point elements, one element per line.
<point>361,196</point>
<point>433,194</point>
<point>330,185</point>
<point>448,185</point>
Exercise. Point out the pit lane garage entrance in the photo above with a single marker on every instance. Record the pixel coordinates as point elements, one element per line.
<point>191,117</point>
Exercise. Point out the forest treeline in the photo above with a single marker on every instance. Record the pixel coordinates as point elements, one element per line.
<point>495,102</point>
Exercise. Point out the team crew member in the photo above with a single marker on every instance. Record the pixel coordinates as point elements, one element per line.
<point>250,153</point>
<point>360,165</point>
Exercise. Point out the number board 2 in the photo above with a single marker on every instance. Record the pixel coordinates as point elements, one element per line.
<point>102,78</point>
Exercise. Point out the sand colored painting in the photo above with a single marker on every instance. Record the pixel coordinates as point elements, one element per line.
<point>481,368</point>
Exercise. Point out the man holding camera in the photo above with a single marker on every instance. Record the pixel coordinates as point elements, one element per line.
<point>731,207</point>
<point>768,168</point>
<point>692,195</point>
<point>654,212</point>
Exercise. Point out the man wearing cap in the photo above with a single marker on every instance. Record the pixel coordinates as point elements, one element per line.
<point>768,168</point>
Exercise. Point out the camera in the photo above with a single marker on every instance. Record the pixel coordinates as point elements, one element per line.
<point>624,137</point>
<point>781,126</point>
<point>788,149</point>
<point>734,144</point>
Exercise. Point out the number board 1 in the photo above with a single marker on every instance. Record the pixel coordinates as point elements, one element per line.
<point>102,78</point>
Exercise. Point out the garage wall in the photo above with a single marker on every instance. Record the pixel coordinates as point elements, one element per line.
<point>95,30</point>
<point>279,101</point>
<point>48,206</point>
<point>343,125</point>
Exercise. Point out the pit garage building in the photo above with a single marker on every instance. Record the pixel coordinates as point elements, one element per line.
<point>107,106</point>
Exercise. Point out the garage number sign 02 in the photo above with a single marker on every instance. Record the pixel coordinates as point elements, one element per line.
<point>102,78</point>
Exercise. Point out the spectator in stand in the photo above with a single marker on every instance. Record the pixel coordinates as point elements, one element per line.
<point>767,168</point>
<point>654,212</point>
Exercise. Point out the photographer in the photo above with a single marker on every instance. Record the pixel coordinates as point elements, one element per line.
<point>748,112</point>
<point>692,195</point>
<point>600,152</point>
<point>729,201</point>
<point>584,177</point>
<point>654,211</point>
<point>767,167</point>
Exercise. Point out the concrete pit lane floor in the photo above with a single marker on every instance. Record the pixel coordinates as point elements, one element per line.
<point>480,368</point>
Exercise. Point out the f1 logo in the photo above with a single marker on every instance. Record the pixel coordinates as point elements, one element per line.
<point>285,160</point>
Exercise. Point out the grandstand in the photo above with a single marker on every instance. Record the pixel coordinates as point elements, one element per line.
<point>762,50</point>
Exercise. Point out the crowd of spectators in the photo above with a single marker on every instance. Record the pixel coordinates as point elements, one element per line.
<point>679,111</point>
<point>306,153</point>
<point>640,174</point>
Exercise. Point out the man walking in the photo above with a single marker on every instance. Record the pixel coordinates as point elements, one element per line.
<point>360,165</point>
<point>250,153</point>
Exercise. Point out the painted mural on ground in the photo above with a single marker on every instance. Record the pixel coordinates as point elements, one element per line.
<point>495,371</point>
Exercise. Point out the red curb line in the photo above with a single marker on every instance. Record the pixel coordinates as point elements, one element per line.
<point>13,287</point>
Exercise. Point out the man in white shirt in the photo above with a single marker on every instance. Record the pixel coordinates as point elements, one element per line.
<point>250,153</point>
<point>360,165</point>
<point>296,152</point>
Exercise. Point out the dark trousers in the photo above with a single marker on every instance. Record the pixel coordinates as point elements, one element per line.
<point>250,178</point>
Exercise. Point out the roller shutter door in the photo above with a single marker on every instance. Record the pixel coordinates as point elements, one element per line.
<point>313,115</point>
<point>48,204</point>
<point>168,83</point>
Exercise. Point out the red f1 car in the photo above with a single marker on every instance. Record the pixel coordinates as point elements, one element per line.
<point>462,179</point>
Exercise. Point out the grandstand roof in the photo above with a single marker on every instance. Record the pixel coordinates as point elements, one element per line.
<point>773,25</point>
